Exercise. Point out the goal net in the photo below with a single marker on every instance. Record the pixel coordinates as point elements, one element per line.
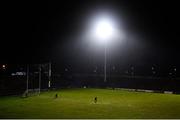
<point>38,78</point>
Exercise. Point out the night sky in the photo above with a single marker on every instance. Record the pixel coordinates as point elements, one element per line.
<point>36,32</point>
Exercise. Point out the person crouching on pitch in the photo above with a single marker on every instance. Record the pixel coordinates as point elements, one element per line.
<point>95,100</point>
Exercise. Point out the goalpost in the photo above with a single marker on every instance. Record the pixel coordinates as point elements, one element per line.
<point>43,69</point>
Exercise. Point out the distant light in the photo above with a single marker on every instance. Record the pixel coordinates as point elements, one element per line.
<point>49,84</point>
<point>21,73</point>
<point>4,66</point>
<point>18,74</point>
<point>13,74</point>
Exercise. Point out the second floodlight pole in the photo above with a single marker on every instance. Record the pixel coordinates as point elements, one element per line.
<point>39,78</point>
<point>27,82</point>
<point>49,83</point>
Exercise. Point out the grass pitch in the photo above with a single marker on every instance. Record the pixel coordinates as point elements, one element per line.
<point>79,103</point>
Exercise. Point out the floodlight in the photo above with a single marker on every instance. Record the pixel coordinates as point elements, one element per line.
<point>104,29</point>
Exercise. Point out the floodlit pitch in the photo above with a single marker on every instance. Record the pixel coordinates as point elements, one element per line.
<point>79,103</point>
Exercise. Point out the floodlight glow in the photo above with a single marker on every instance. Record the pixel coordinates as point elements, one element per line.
<point>104,29</point>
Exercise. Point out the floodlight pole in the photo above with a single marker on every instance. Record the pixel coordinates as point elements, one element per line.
<point>49,83</point>
<point>27,79</point>
<point>105,55</point>
<point>39,78</point>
